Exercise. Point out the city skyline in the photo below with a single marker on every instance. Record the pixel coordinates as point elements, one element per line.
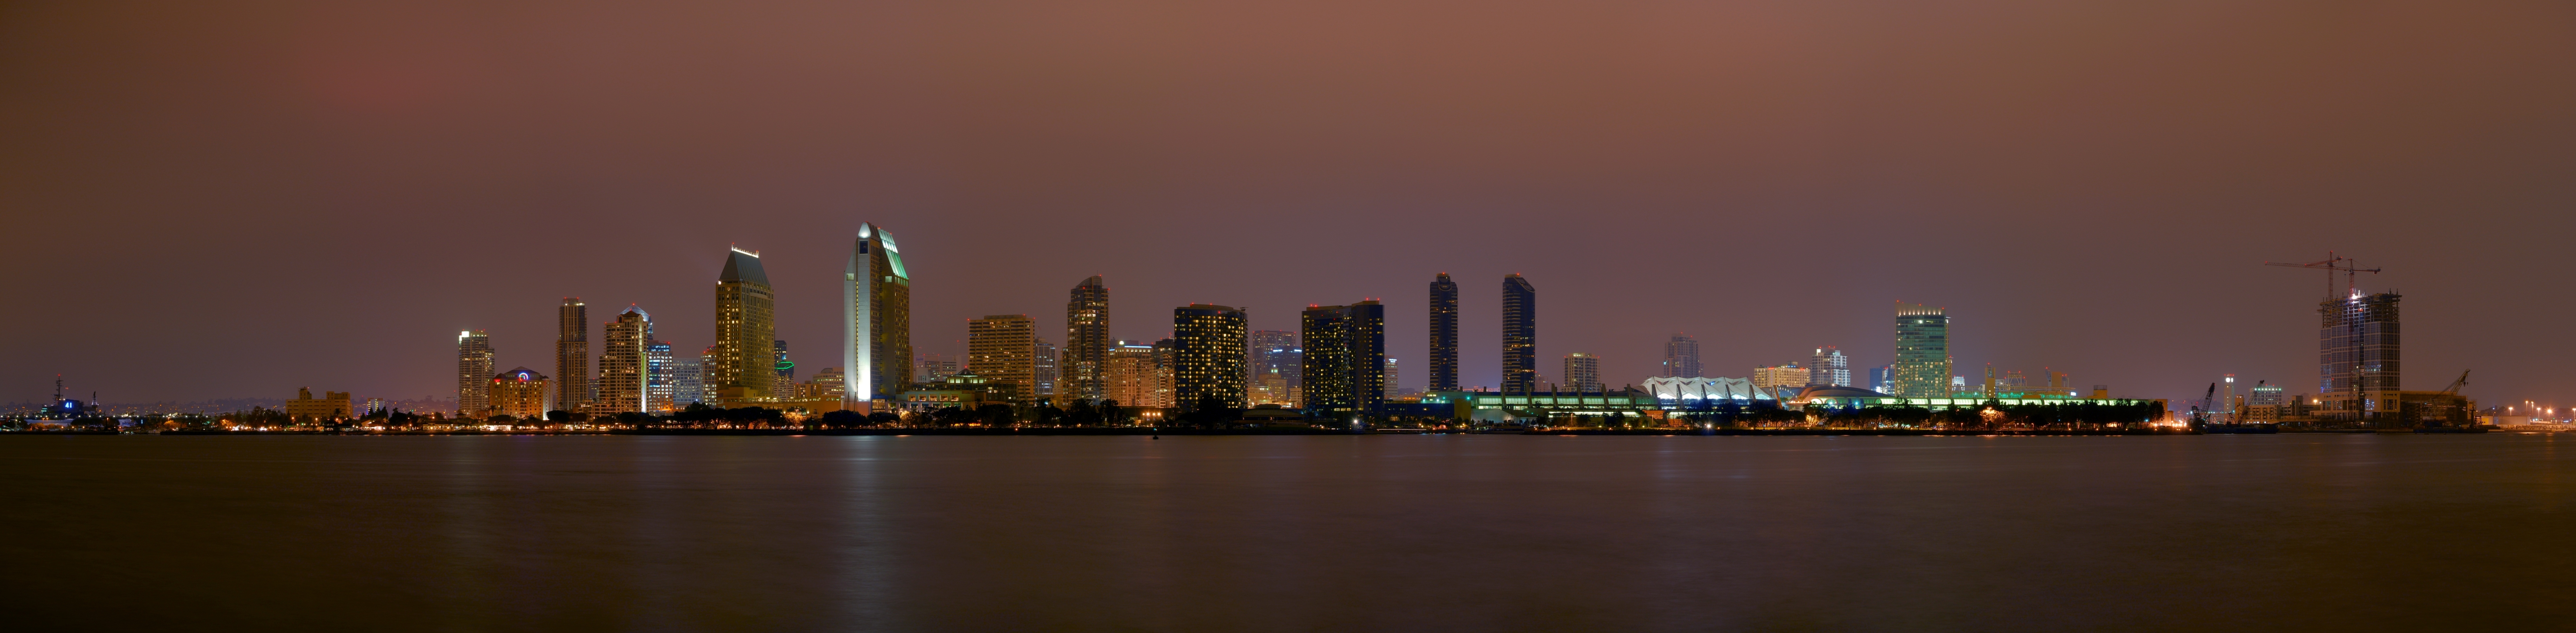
<point>1982,179</point>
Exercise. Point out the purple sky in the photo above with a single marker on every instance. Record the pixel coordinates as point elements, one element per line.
<point>217,200</point>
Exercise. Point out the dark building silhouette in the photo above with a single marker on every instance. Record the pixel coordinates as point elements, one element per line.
<point>1444,334</point>
<point>1345,360</point>
<point>572,355</point>
<point>1520,336</point>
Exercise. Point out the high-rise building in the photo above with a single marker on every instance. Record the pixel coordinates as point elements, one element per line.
<point>877,319</point>
<point>1277,364</point>
<point>659,377</point>
<point>1003,348</point>
<point>744,373</point>
<point>1582,373</point>
<point>1520,336</point>
<point>1136,376</point>
<point>688,381</point>
<point>1829,367</point>
<point>1344,372</point>
<point>572,355</point>
<point>1444,334</point>
<point>935,368</point>
<point>1882,378</point>
<point>1681,357</point>
<point>1772,379</point>
<point>473,372</point>
<point>1045,368</point>
<point>1922,352</point>
<point>624,362</point>
<point>1391,377</point>
<point>518,393</point>
<point>785,369</point>
<point>1086,339</point>
<point>2357,357</point>
<point>1208,359</point>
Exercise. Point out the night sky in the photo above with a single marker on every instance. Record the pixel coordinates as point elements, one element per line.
<point>235,199</point>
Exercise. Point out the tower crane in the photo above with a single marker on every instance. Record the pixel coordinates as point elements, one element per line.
<point>2351,269</point>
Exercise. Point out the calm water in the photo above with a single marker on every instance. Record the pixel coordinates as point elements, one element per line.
<point>2289,532</point>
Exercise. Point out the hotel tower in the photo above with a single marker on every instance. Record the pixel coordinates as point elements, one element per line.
<point>876,360</point>
<point>743,370</point>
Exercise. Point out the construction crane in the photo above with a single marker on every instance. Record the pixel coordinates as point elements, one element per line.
<point>2200,410</point>
<point>2331,264</point>
<point>2454,389</point>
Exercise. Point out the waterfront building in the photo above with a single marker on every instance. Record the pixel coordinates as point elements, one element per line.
<point>826,392</point>
<point>1828,367</point>
<point>1681,356</point>
<point>876,300</point>
<point>1086,339</point>
<point>2263,404</point>
<point>2357,358</point>
<point>572,355</point>
<point>333,405</point>
<point>1520,335</point>
<point>1922,352</point>
<point>1137,376</point>
<point>1003,348</point>
<point>744,372</point>
<point>1583,373</point>
<point>962,390</point>
<point>624,363</point>
<point>1044,370</point>
<point>1444,334</point>
<point>473,371</point>
<point>1772,379</point>
<point>1344,366</point>
<point>1208,357</point>
<point>659,374</point>
<point>688,384</point>
<point>1696,392</point>
<point>518,393</point>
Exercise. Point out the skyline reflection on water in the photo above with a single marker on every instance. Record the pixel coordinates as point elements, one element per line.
<point>1289,532</point>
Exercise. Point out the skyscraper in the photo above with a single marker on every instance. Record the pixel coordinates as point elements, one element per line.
<point>660,377</point>
<point>1086,339</point>
<point>624,362</point>
<point>1582,373</point>
<point>2357,359</point>
<point>1277,365</point>
<point>1047,371</point>
<point>1681,357</point>
<point>1136,377</point>
<point>1392,376</point>
<point>1829,367</point>
<point>688,381</point>
<point>1520,336</point>
<point>1003,348</point>
<point>877,309</point>
<point>1882,379</point>
<point>1444,334</point>
<point>473,372</point>
<point>783,368</point>
<point>1208,356</point>
<point>572,355</point>
<point>1922,351</point>
<point>746,311</point>
<point>1345,361</point>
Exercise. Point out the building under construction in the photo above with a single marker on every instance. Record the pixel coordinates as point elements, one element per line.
<point>2357,358</point>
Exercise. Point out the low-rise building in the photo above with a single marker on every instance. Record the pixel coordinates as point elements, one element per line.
<point>333,405</point>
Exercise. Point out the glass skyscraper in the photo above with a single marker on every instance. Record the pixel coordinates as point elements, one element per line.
<point>876,358</point>
<point>2357,360</point>
<point>1922,351</point>
<point>1520,336</point>
<point>1444,334</point>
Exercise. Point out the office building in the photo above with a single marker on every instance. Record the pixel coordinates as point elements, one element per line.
<point>1045,368</point>
<point>1773,379</point>
<point>1392,375</point>
<point>1208,356</point>
<point>1138,376</point>
<point>333,405</point>
<point>935,368</point>
<point>1828,367</point>
<point>1444,334</point>
<point>1520,336</point>
<point>1582,373</point>
<point>1344,365</point>
<point>518,393</point>
<point>473,372</point>
<point>1277,364</point>
<point>688,385</point>
<point>2357,358</point>
<point>1003,348</point>
<point>572,355</point>
<point>624,363</point>
<point>1681,357</point>
<point>1923,352</point>
<point>1086,339</point>
<point>745,369</point>
<point>659,377</point>
<point>876,299</point>
<point>1882,378</point>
